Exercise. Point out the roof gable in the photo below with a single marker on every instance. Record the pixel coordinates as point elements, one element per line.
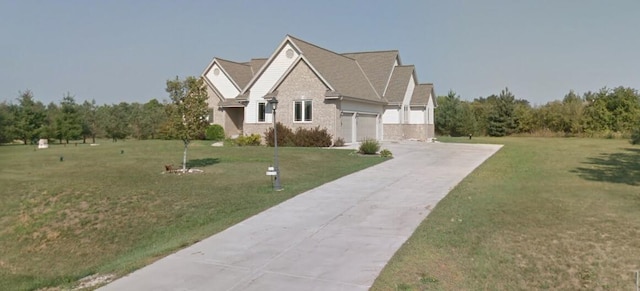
<point>398,83</point>
<point>239,73</point>
<point>377,66</point>
<point>342,73</point>
<point>422,93</point>
<point>256,65</point>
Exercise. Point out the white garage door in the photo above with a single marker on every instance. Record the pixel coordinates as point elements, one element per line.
<point>366,126</point>
<point>346,121</point>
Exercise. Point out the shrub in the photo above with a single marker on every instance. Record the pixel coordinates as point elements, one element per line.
<point>249,140</point>
<point>635,136</point>
<point>339,142</point>
<point>385,153</point>
<point>302,137</point>
<point>369,147</point>
<point>314,137</point>
<point>285,136</point>
<point>214,132</point>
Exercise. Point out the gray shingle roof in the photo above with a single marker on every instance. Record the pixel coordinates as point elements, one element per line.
<point>365,76</point>
<point>239,73</point>
<point>421,94</point>
<point>377,66</point>
<point>256,64</point>
<point>344,74</point>
<point>398,83</point>
<point>230,103</point>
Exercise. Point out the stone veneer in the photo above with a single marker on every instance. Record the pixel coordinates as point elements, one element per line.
<point>301,84</point>
<point>422,132</point>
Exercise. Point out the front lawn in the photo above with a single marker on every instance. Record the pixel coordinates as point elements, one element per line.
<point>542,213</point>
<point>72,211</point>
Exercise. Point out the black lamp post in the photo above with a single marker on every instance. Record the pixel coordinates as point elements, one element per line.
<point>274,105</point>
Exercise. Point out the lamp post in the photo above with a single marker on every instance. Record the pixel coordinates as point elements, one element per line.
<point>274,105</point>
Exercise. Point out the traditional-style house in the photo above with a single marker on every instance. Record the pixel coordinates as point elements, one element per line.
<point>353,95</point>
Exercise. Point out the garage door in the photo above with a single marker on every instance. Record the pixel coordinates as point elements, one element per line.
<point>346,121</point>
<point>366,126</point>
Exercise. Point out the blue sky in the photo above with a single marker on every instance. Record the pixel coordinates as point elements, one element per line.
<point>114,51</point>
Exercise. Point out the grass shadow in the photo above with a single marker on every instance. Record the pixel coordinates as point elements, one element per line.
<point>620,167</point>
<point>202,162</point>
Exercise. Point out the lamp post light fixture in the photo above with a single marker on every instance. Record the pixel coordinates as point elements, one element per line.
<point>276,184</point>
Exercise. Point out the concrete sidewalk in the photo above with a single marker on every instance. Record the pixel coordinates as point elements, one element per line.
<point>338,236</point>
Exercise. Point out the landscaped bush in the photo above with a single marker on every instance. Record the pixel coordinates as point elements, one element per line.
<point>249,140</point>
<point>369,147</point>
<point>285,136</point>
<point>385,153</point>
<point>302,137</point>
<point>339,142</point>
<point>314,137</point>
<point>215,132</point>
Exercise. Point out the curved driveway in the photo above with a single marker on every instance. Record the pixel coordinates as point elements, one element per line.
<point>338,236</point>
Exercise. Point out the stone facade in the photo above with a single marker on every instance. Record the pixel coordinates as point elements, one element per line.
<point>301,84</point>
<point>415,131</point>
<point>392,132</point>
<point>422,132</point>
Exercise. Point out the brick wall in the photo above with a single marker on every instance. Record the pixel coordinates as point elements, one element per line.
<point>301,84</point>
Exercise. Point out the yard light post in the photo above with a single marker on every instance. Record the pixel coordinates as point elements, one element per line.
<point>274,105</point>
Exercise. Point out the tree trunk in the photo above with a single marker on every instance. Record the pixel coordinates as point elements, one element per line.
<point>94,138</point>
<point>184,156</point>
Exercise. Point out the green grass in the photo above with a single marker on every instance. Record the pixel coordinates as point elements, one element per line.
<point>542,213</point>
<point>111,209</point>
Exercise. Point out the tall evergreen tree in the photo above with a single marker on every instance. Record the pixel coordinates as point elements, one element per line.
<point>29,118</point>
<point>69,121</point>
<point>501,117</point>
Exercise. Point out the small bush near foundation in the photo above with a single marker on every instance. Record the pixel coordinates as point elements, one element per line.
<point>285,136</point>
<point>385,153</point>
<point>339,142</point>
<point>215,132</point>
<point>369,147</point>
<point>313,137</point>
<point>302,137</point>
<point>249,140</point>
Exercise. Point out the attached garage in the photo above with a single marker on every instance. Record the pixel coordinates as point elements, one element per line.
<point>366,126</point>
<point>346,123</point>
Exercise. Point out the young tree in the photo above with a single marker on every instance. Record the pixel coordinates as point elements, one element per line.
<point>188,110</point>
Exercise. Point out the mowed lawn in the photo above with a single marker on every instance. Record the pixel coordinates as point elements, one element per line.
<point>542,213</point>
<point>110,209</point>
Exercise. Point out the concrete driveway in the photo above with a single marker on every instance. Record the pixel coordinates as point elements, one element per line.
<point>338,236</point>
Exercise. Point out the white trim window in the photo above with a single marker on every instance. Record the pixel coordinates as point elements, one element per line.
<point>302,111</point>
<point>262,111</point>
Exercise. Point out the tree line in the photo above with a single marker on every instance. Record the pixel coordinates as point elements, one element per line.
<point>28,119</point>
<point>608,112</point>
